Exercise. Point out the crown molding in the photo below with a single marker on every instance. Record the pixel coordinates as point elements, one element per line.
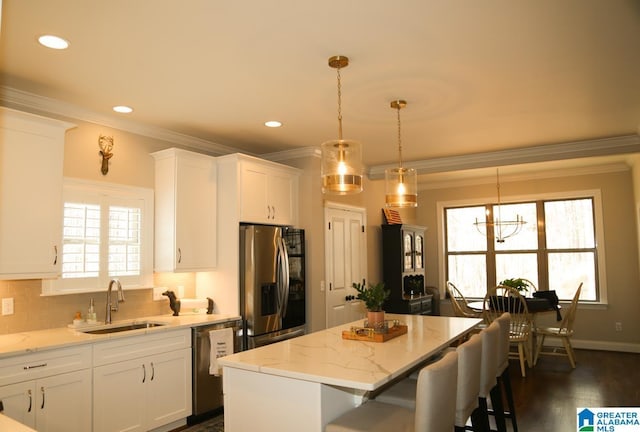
<point>429,184</point>
<point>545,153</point>
<point>298,153</point>
<point>25,101</point>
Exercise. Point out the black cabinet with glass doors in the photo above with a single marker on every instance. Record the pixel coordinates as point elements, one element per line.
<point>403,269</point>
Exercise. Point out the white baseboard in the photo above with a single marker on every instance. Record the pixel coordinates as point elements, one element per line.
<point>597,345</point>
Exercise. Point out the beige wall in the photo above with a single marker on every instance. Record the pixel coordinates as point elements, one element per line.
<point>311,219</point>
<point>621,247</point>
<point>131,165</point>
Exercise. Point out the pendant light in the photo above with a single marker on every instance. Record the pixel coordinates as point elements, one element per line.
<point>401,183</point>
<point>341,161</point>
<point>502,229</point>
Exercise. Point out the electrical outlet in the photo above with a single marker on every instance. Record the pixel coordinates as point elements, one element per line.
<point>157,293</point>
<point>180,292</point>
<point>618,326</point>
<point>7,306</point>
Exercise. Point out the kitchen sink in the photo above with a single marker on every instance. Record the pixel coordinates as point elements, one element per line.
<point>122,327</point>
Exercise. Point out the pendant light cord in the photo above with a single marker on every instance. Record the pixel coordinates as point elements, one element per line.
<point>339,105</point>
<point>399,138</point>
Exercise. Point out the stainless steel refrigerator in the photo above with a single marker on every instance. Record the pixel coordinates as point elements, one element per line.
<point>272,284</point>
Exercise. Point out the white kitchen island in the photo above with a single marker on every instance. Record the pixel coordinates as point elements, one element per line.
<point>302,384</point>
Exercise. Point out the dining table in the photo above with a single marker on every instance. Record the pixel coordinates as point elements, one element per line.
<point>535,306</point>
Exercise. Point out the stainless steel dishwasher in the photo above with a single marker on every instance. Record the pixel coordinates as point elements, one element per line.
<point>207,389</point>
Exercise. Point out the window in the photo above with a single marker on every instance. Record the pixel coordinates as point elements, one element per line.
<point>556,248</point>
<point>107,233</point>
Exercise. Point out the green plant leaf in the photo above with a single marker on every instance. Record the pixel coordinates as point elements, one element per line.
<point>373,296</point>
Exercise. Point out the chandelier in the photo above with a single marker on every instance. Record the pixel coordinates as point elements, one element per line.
<point>401,184</point>
<point>502,229</point>
<point>341,160</point>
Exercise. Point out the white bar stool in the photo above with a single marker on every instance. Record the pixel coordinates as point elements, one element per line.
<point>467,388</point>
<point>488,372</point>
<point>434,406</point>
<point>503,379</point>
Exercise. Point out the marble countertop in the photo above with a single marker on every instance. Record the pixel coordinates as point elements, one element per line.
<point>33,341</point>
<point>324,357</point>
<point>10,425</point>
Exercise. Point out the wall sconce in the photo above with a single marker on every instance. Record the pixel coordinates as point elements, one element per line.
<point>106,145</point>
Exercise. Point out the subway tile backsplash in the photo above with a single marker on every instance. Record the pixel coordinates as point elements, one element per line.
<point>32,311</point>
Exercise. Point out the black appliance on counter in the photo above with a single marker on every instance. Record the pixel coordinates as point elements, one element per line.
<point>272,284</point>
<point>403,269</point>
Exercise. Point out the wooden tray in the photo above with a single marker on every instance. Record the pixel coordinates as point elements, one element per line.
<point>362,334</point>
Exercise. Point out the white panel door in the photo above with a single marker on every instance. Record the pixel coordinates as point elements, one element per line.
<point>63,402</point>
<point>253,195</point>
<point>19,402</point>
<point>196,213</point>
<point>280,192</point>
<point>31,156</point>
<point>168,387</point>
<point>119,397</point>
<point>345,261</point>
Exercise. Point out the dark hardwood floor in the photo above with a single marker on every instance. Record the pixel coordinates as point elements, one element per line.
<point>546,400</point>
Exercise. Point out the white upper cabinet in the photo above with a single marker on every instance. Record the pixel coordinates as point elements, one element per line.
<point>185,216</point>
<point>31,159</point>
<point>267,192</point>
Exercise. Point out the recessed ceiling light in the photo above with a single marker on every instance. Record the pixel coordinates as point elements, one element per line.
<point>273,124</point>
<point>54,42</point>
<point>122,109</point>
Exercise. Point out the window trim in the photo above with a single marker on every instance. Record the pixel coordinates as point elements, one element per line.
<point>595,194</point>
<point>116,192</point>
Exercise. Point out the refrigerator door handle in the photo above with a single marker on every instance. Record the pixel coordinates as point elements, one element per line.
<point>285,277</point>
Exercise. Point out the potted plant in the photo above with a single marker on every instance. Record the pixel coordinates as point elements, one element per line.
<point>522,285</point>
<point>373,297</point>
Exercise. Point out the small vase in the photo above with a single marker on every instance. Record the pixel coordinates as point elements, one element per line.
<point>375,319</point>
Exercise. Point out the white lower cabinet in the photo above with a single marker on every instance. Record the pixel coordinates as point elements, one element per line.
<point>55,403</point>
<point>145,392</point>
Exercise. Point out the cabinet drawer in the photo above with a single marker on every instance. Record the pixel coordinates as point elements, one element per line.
<point>426,306</point>
<point>139,346</point>
<point>42,364</point>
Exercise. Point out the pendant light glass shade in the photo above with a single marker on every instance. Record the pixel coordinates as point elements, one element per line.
<point>341,167</point>
<point>341,160</point>
<point>401,184</point>
<point>401,187</point>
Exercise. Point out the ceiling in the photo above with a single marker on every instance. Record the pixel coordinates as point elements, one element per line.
<point>478,76</point>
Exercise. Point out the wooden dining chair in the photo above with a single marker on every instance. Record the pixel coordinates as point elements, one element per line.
<point>502,299</point>
<point>533,286</point>
<point>564,333</point>
<point>459,303</point>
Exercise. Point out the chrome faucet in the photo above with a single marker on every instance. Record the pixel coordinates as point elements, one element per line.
<point>119,298</point>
